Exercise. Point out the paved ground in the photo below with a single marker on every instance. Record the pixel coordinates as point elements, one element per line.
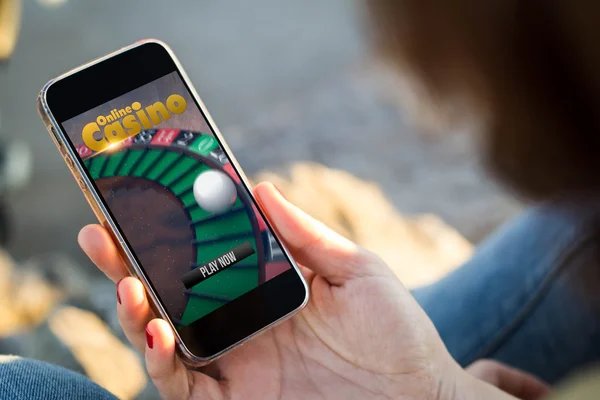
<point>286,81</point>
<point>244,57</point>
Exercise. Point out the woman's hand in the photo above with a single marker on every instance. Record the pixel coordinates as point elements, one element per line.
<point>361,336</point>
<point>518,383</point>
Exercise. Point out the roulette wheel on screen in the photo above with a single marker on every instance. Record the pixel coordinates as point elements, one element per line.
<point>148,184</point>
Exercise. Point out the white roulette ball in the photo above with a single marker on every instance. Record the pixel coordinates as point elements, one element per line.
<point>215,191</point>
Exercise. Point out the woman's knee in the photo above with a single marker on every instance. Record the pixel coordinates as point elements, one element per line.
<point>22,379</point>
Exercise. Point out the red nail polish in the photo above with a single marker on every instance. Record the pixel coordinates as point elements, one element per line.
<point>149,338</point>
<point>118,295</point>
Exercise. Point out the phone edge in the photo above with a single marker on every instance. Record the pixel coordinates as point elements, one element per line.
<point>189,359</point>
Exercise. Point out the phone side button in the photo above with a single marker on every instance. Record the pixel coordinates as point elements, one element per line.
<point>69,162</point>
<point>61,146</point>
<point>54,133</point>
<point>82,184</point>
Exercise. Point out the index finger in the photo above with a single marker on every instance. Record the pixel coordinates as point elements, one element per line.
<point>512,381</point>
<point>521,385</point>
<point>100,248</point>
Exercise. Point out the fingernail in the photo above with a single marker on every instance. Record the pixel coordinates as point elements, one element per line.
<point>149,338</point>
<point>118,295</point>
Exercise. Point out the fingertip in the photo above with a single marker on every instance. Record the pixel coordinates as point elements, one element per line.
<point>131,294</point>
<point>88,236</point>
<point>166,371</point>
<point>313,244</point>
<point>297,228</point>
<point>160,350</point>
<point>285,215</point>
<point>286,218</point>
<point>163,339</point>
<point>92,240</point>
<point>133,310</point>
<point>267,191</point>
<point>96,242</point>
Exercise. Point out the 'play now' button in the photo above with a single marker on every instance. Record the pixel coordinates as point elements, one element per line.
<point>217,265</point>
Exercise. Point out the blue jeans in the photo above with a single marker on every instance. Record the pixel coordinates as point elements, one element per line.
<point>518,300</point>
<point>22,379</point>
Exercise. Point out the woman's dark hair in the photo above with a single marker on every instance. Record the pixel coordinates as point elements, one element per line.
<point>531,67</point>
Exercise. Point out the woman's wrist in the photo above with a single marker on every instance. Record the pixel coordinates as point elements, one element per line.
<point>467,387</point>
<point>449,381</point>
<point>442,379</point>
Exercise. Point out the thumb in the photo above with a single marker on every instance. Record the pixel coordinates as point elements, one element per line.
<point>314,245</point>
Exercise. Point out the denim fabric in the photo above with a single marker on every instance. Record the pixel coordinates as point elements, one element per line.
<point>519,299</point>
<point>23,379</point>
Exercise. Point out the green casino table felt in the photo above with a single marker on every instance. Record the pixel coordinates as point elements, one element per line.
<point>175,169</point>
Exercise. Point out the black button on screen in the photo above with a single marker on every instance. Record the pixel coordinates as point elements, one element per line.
<point>219,264</point>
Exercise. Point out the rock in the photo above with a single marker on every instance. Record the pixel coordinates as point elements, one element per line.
<point>419,249</point>
<point>10,25</point>
<point>78,340</point>
<point>41,343</point>
<point>104,358</point>
<point>59,271</point>
<point>33,298</point>
<point>9,320</point>
<point>25,297</point>
<point>35,324</point>
<point>91,292</point>
<point>28,293</point>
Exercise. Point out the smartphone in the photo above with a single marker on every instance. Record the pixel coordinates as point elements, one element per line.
<point>161,179</point>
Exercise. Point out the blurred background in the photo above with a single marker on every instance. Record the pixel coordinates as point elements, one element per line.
<point>299,97</point>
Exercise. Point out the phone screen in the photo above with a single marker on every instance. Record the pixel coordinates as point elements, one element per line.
<point>179,203</point>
